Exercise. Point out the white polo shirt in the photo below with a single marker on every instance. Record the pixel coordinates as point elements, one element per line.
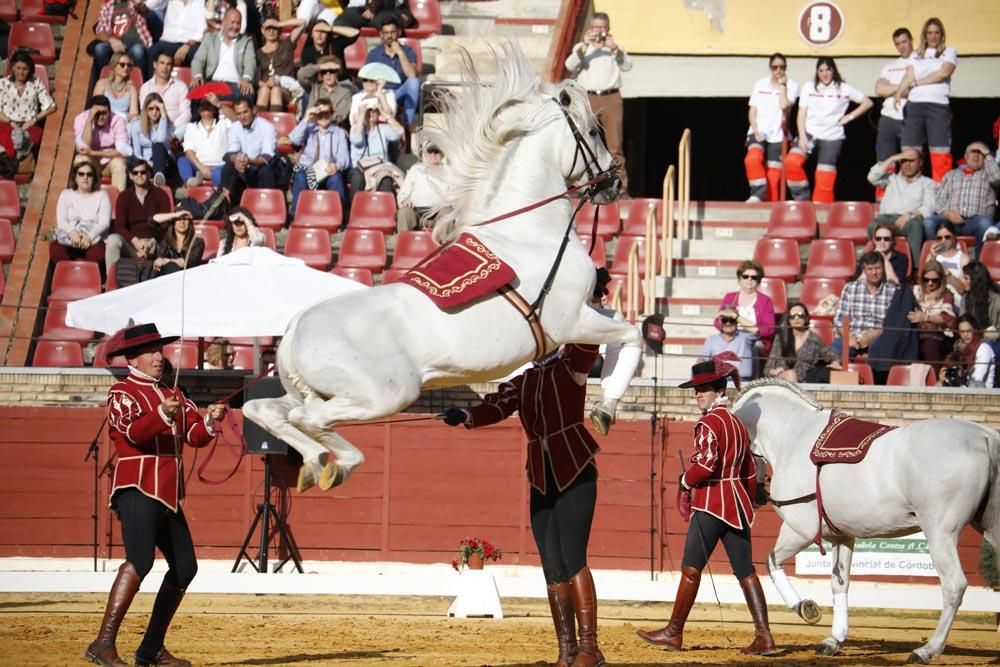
<point>209,145</point>
<point>765,98</point>
<point>893,73</point>
<point>934,93</point>
<point>826,106</point>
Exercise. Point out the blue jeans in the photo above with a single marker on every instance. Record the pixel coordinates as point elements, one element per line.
<point>975,225</point>
<point>136,51</point>
<point>408,94</point>
<point>187,169</point>
<point>334,182</point>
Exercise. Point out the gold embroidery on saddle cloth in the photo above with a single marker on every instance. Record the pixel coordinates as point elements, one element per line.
<point>484,263</point>
<point>845,439</point>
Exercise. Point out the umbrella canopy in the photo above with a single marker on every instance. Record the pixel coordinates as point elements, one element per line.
<point>376,71</point>
<point>251,292</point>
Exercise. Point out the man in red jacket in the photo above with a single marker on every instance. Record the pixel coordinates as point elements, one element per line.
<point>718,486</point>
<point>149,424</point>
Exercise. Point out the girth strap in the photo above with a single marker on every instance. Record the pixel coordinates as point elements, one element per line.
<point>530,315</point>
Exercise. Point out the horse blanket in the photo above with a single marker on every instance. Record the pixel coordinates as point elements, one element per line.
<point>462,271</point>
<point>845,439</point>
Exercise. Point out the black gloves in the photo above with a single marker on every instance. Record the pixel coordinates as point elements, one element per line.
<point>454,416</point>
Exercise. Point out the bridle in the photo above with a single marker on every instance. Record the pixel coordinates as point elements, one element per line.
<point>600,179</point>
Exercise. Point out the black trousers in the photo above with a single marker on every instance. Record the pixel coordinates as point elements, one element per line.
<point>560,522</point>
<point>147,525</point>
<point>704,533</point>
<point>261,176</point>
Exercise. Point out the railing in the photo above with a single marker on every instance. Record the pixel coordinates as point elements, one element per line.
<point>667,224</point>
<point>684,184</point>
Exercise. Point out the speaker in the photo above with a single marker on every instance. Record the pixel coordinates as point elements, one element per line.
<point>258,440</point>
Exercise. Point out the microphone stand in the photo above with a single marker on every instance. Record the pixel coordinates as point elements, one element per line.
<point>92,453</point>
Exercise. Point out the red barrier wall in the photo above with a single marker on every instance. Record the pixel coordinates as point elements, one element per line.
<point>422,489</point>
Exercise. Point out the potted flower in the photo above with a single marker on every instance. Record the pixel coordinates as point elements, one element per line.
<point>474,552</point>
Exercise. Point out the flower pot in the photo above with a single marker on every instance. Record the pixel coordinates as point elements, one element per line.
<point>475,562</point>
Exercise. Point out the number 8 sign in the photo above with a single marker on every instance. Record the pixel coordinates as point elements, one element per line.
<point>821,23</point>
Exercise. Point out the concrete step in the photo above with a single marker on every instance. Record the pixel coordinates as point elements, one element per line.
<point>725,229</point>
<point>739,249</point>
<point>706,268</point>
<point>700,287</point>
<point>670,369</point>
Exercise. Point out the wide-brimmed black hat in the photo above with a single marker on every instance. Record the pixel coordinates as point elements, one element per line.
<point>724,364</point>
<point>131,339</point>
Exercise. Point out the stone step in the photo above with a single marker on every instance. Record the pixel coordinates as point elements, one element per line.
<point>670,369</point>
<point>740,249</point>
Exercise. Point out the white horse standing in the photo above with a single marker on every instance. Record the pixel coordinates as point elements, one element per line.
<point>934,475</point>
<point>368,354</point>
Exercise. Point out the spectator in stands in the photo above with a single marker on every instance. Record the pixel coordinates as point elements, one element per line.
<point>732,339</point>
<point>325,158</point>
<point>890,122</point>
<point>909,197</point>
<point>121,27</point>
<point>422,190</point>
<point>215,13</point>
<point>184,27</point>
<point>359,14</point>
<point>206,143</point>
<point>966,196</point>
<point>178,246</point>
<point>118,87</point>
<point>373,143</point>
<point>83,217</point>
<point>949,254</point>
<point>171,90</point>
<point>926,87</point>
<point>894,262</point>
<point>755,309</point>
<point>822,116</point>
<point>134,235</point>
<point>770,101</point>
<point>982,298</point>
<point>253,144</point>
<point>220,355</point>
<point>102,138</point>
<point>403,61</point>
<point>973,360</point>
<point>934,315</point>
<point>24,100</point>
<point>327,84</point>
<point>799,355</point>
<point>149,136</point>
<point>226,56</point>
<point>865,301</point>
<point>241,231</point>
<point>324,40</point>
<point>372,95</point>
<point>597,64</point>
<point>277,86</point>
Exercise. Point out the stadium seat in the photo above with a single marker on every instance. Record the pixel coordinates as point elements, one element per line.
<point>10,201</point>
<point>54,326</point>
<point>355,55</point>
<point>358,275</point>
<point>990,256</point>
<point>792,220</point>
<point>823,329</point>
<point>113,194</point>
<point>831,258</point>
<point>619,263</point>
<point>135,76</point>
<point>284,123</point>
<point>609,221</point>
<point>269,240</point>
<point>362,249</point>
<point>618,282</point>
<point>36,36</point>
<point>779,257</point>
<point>815,290</point>
<point>864,371</point>
<point>411,249</point>
<point>300,44</point>
<point>210,234</point>
<point>8,11</point>
<point>267,206</point>
<point>6,241</point>
<point>428,16</point>
<point>849,220</point>
<point>3,284</point>
<point>33,10</point>
<point>391,275</point>
<point>373,210</point>
<point>170,195</point>
<point>101,360</point>
<point>319,209</point>
<point>598,253</point>
<point>899,376</point>
<point>182,74</point>
<point>638,210</point>
<point>75,280</point>
<point>111,281</point>
<point>925,250</point>
<point>57,354</point>
<point>182,354</point>
<point>417,52</point>
<point>775,289</point>
<point>310,245</point>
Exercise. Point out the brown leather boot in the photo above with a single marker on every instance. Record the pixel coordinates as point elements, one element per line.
<point>585,606</point>
<point>151,651</point>
<point>763,642</point>
<point>671,636</point>
<point>102,650</point>
<point>561,604</point>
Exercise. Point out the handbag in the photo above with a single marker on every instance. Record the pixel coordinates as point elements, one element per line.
<point>129,271</point>
<point>366,162</point>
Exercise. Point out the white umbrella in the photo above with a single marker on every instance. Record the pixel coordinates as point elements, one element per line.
<point>251,292</point>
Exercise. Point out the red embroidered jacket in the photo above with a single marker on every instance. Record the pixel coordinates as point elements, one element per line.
<point>549,400</point>
<point>143,437</point>
<point>722,471</point>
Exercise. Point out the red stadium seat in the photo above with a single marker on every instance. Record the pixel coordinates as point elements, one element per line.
<point>41,73</point>
<point>598,253</point>
<point>111,282</point>
<point>310,245</point>
<point>428,16</point>
<point>10,201</point>
<point>849,220</point>
<point>170,195</point>
<point>619,264</point>
<point>113,194</point>
<point>815,290</point>
<point>418,53</point>
<point>899,376</point>
<point>373,210</point>
<point>57,354</point>
<point>37,36</point>
<point>182,354</point>
<point>135,75</point>
<point>638,210</point>
<point>75,280</point>
<point>864,371</point>
<point>54,326</point>
<point>319,209</point>
<point>3,284</point>
<point>266,205</point>
<point>355,55</point>
<point>33,10</point>
<point>362,249</point>
<point>391,275</point>
<point>609,221</point>
<point>990,256</point>
<point>6,241</point>
<point>210,234</point>
<point>284,123</point>
<point>182,74</point>
<point>363,276</point>
<point>411,248</point>
<point>101,359</point>
<point>618,282</point>
<point>269,240</point>
<point>779,257</point>
<point>775,289</point>
<point>792,220</point>
<point>925,250</point>
<point>8,11</point>
<point>831,258</point>
<point>823,329</point>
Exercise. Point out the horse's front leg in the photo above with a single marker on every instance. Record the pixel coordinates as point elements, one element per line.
<point>943,546</point>
<point>841,579</point>
<point>788,544</point>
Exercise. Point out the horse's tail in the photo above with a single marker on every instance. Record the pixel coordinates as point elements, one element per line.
<point>991,512</point>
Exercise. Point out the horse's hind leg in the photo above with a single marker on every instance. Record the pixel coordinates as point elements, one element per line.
<point>840,581</point>
<point>788,544</point>
<point>943,546</point>
<point>272,414</point>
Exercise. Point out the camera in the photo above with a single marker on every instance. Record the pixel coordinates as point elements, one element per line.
<point>602,36</point>
<point>954,376</point>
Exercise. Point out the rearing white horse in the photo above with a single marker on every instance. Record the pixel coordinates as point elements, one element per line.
<point>368,354</point>
<point>934,475</point>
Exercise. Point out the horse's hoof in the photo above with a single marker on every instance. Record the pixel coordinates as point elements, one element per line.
<point>917,659</point>
<point>307,477</point>
<point>810,612</point>
<point>331,476</point>
<point>827,649</point>
<point>601,419</point>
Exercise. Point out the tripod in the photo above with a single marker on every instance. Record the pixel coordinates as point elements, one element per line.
<point>266,513</point>
<point>93,451</point>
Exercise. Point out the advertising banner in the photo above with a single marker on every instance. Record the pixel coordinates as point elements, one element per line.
<point>899,557</point>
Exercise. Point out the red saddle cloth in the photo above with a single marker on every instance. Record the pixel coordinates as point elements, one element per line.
<point>465,270</point>
<point>845,439</point>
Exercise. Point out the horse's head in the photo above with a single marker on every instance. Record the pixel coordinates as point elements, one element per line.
<point>586,158</point>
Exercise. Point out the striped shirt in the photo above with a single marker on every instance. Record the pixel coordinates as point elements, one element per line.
<point>970,193</point>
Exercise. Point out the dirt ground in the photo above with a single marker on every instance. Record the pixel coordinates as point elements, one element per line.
<point>54,629</point>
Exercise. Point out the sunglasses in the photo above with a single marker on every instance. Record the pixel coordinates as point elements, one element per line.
<point>750,276</point>
<point>944,237</point>
<point>912,159</point>
<point>140,172</point>
<point>883,238</point>
<point>88,174</point>
<point>777,67</point>
<point>797,316</point>
<point>329,71</point>
<point>931,279</point>
<point>125,65</point>
<point>728,320</point>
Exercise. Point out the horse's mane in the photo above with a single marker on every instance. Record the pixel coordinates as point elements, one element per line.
<point>480,120</point>
<point>778,387</point>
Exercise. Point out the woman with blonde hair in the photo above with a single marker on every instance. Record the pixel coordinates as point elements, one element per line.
<point>935,313</point>
<point>118,86</point>
<point>149,135</point>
